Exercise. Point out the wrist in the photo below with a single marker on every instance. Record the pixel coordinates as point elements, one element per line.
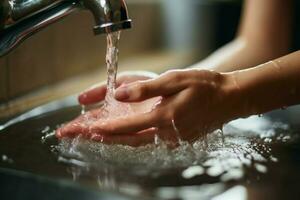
<point>235,100</point>
<point>264,88</point>
<point>256,89</point>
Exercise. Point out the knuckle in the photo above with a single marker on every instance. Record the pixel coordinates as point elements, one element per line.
<point>173,75</point>
<point>194,83</point>
<point>176,76</point>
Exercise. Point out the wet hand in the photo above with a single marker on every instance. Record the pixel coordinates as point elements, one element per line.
<point>193,103</point>
<point>81,126</point>
<point>97,92</point>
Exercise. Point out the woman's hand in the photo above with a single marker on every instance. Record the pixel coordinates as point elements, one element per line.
<point>97,92</point>
<point>81,125</point>
<point>193,103</point>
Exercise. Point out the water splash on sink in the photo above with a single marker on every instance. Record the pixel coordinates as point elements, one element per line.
<point>255,151</point>
<point>224,156</point>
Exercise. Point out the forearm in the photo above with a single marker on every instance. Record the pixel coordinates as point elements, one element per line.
<point>241,53</point>
<point>269,86</point>
<point>263,35</point>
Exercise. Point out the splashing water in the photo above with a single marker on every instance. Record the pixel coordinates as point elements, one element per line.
<point>83,109</point>
<point>216,157</point>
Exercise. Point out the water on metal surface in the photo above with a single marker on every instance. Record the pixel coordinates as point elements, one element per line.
<point>257,154</point>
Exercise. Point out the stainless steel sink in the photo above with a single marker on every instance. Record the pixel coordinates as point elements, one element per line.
<point>18,185</point>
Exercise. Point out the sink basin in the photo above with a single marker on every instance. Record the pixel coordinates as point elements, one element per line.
<point>21,185</point>
<point>266,149</point>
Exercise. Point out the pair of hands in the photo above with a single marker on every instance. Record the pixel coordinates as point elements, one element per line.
<point>190,102</point>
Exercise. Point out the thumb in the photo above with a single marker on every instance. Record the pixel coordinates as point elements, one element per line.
<point>92,95</point>
<point>96,93</point>
<point>165,85</point>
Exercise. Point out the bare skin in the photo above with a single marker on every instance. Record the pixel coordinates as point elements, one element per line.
<point>82,124</point>
<point>177,103</point>
<point>263,35</point>
<point>197,100</point>
<point>200,101</point>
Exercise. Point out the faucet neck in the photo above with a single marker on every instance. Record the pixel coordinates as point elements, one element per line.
<point>22,18</point>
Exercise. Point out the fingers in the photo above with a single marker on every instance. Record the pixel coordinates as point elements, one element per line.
<point>71,130</point>
<point>97,93</point>
<point>131,76</point>
<point>165,85</point>
<point>78,126</point>
<point>137,139</point>
<point>93,95</point>
<point>131,124</point>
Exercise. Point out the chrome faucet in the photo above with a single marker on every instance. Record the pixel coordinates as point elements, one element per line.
<point>20,19</point>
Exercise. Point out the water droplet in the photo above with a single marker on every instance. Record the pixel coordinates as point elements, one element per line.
<point>156,139</point>
<point>43,139</point>
<point>260,168</point>
<point>46,129</point>
<point>6,159</point>
<point>177,133</point>
<point>47,136</point>
<point>222,136</point>
<point>82,109</point>
<point>273,159</point>
<point>192,171</point>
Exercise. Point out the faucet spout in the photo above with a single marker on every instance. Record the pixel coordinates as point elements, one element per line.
<point>19,19</point>
<point>110,15</point>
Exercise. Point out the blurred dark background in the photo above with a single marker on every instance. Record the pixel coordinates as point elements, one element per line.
<point>208,25</point>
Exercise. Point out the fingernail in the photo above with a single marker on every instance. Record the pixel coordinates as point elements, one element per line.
<point>122,93</point>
